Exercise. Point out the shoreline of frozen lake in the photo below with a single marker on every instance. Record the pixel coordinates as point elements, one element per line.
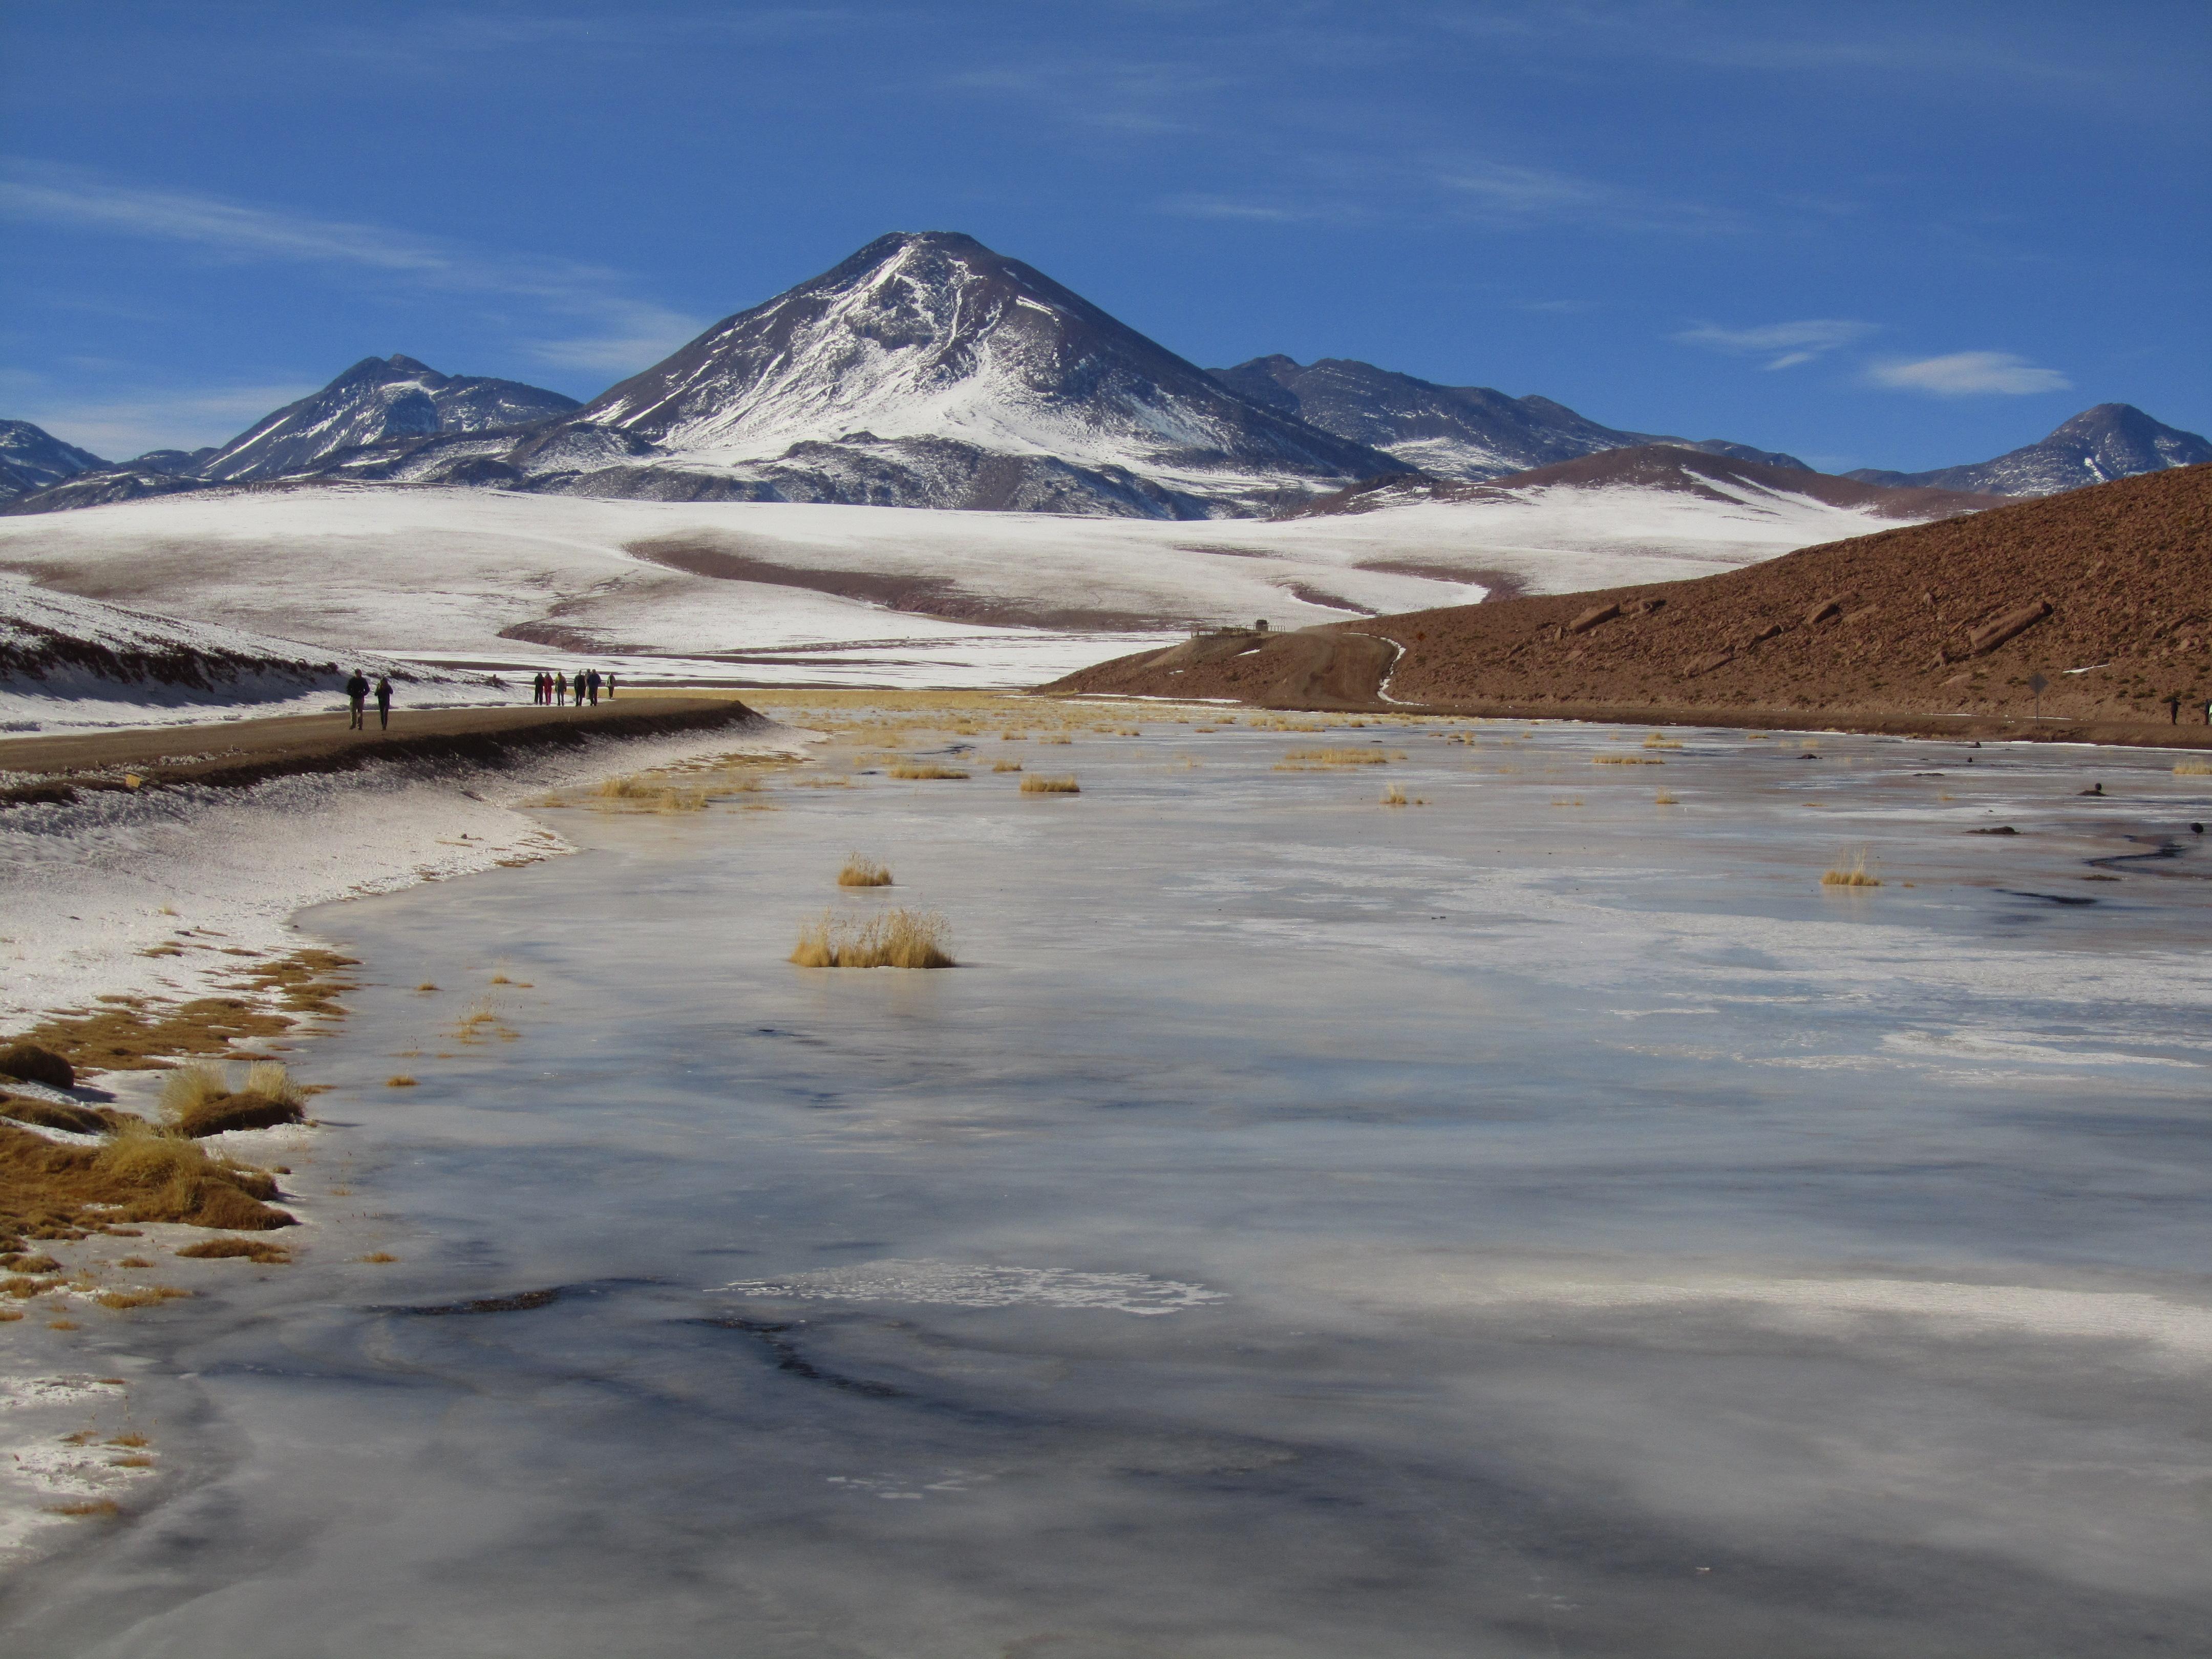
<point>1538,1221</point>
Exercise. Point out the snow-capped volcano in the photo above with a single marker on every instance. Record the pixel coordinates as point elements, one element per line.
<point>2111,440</point>
<point>31,458</point>
<point>377,399</point>
<point>921,346</point>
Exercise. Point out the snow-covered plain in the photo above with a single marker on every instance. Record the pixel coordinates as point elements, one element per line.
<point>214,672</point>
<point>907,597</point>
<point>1539,1221</point>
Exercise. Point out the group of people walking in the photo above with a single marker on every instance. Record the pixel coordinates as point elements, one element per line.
<point>357,695</point>
<point>555,688</point>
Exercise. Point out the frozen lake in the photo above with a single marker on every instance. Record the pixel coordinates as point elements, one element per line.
<point>1539,1221</point>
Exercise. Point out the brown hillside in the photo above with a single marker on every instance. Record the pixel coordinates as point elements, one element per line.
<point>1938,619</point>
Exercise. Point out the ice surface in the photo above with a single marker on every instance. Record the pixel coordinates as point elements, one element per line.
<point>1623,1245</point>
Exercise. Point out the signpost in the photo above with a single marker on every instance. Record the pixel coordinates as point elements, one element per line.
<point>2038,684</point>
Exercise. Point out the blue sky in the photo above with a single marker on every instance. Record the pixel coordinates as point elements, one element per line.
<point>1871,234</point>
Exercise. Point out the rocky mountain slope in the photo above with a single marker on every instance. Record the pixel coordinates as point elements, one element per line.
<point>2106,591</point>
<point>1459,432</point>
<point>377,401</point>
<point>2113,441</point>
<point>32,457</point>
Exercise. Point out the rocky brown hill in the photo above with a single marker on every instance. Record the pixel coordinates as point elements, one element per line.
<point>2106,591</point>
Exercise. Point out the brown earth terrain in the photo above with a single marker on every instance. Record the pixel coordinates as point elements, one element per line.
<point>2106,592</point>
<point>236,753</point>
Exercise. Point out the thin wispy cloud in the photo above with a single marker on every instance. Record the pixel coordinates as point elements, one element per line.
<point>1506,194</point>
<point>1784,345</point>
<point>1968,374</point>
<point>121,424</point>
<point>612,330</point>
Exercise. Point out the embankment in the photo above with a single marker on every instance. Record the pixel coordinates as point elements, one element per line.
<point>1936,629</point>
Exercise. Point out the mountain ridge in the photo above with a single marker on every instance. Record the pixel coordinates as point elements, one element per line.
<point>2102,444</point>
<point>1469,433</point>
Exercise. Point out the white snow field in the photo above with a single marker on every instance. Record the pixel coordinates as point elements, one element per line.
<point>1539,1221</point>
<point>139,668</point>
<point>784,593</point>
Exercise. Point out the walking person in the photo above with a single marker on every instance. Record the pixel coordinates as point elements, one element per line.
<point>2173,711</point>
<point>537,689</point>
<point>611,696</point>
<point>383,702</point>
<point>579,683</point>
<point>356,691</point>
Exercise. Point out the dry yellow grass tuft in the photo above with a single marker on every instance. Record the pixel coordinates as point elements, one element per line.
<point>198,1099</point>
<point>2193,768</point>
<point>377,1255</point>
<point>1856,876</point>
<point>925,769</point>
<point>148,1298</point>
<point>225,1250</point>
<point>1394,796</point>
<point>1626,760</point>
<point>401,1080</point>
<point>1013,737</point>
<point>1037,783</point>
<point>1663,798</point>
<point>1007,766</point>
<point>897,939</point>
<point>863,872</point>
<point>1303,759</point>
<point>1055,736</point>
<point>1657,740</point>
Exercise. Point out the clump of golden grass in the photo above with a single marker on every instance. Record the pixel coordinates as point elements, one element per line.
<point>426,986</point>
<point>377,1255</point>
<point>1038,783</point>
<point>198,1099</point>
<point>1626,760</point>
<point>926,769</point>
<point>897,939</point>
<point>1304,759</point>
<point>1013,737</point>
<point>863,872</point>
<point>88,1509</point>
<point>629,788</point>
<point>1394,796</point>
<point>129,1440</point>
<point>1657,740</point>
<point>225,1250</point>
<point>1562,800</point>
<point>2193,768</point>
<point>1663,798</point>
<point>147,1298</point>
<point>1055,736</point>
<point>399,1080</point>
<point>1856,876</point>
<point>1007,766</point>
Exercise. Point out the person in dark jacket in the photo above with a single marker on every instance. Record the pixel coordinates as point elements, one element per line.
<point>356,690</point>
<point>593,675</point>
<point>383,703</point>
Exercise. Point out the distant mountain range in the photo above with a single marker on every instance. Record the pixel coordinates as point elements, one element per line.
<point>928,371</point>
<point>2113,441</point>
<point>1466,431</point>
